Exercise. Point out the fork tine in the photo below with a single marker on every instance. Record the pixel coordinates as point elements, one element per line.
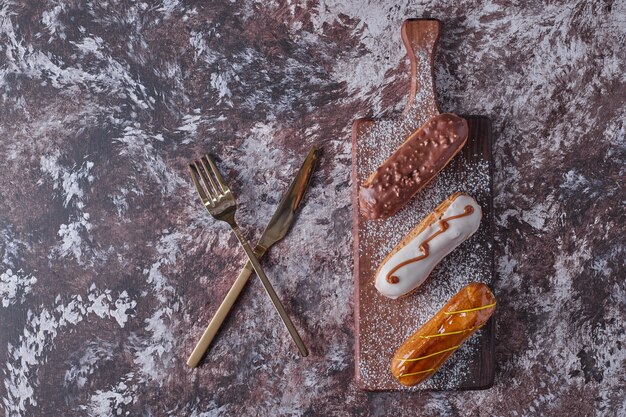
<point>206,179</point>
<point>194,176</point>
<point>216,188</point>
<point>217,174</point>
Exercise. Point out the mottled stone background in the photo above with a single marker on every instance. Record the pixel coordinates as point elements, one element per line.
<point>110,269</point>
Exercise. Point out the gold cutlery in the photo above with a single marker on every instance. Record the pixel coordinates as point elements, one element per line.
<point>221,204</point>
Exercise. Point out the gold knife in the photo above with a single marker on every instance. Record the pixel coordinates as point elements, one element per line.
<point>276,229</point>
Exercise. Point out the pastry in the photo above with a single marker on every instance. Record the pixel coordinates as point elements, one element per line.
<point>429,347</point>
<point>408,265</point>
<point>417,161</point>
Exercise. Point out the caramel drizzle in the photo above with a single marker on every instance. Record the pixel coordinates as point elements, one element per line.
<point>443,226</point>
<point>444,334</point>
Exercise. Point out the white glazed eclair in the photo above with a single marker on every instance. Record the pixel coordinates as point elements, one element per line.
<point>412,260</point>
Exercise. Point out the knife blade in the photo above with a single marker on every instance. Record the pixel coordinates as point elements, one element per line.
<point>285,213</point>
<point>276,229</point>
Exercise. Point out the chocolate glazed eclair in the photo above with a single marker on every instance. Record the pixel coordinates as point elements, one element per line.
<point>413,165</point>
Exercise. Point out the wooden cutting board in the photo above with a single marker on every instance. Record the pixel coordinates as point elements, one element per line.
<point>382,324</point>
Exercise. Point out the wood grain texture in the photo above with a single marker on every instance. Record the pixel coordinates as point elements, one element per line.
<point>421,35</point>
<point>381,324</point>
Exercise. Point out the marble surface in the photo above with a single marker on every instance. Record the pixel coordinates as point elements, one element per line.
<point>110,269</point>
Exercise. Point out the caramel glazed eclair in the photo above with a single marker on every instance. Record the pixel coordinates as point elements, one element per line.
<point>413,165</point>
<point>428,348</point>
<point>409,264</point>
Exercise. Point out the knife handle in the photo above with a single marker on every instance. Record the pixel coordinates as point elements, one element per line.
<point>278,305</point>
<point>220,315</point>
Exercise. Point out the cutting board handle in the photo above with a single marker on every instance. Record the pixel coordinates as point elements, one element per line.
<point>420,40</point>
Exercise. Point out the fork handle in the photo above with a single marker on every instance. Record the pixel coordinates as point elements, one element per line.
<point>270,291</point>
<point>220,316</point>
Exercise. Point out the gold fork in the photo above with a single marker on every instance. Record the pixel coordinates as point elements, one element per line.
<point>221,204</point>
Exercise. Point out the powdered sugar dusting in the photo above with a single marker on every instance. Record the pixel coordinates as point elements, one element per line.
<point>382,329</point>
